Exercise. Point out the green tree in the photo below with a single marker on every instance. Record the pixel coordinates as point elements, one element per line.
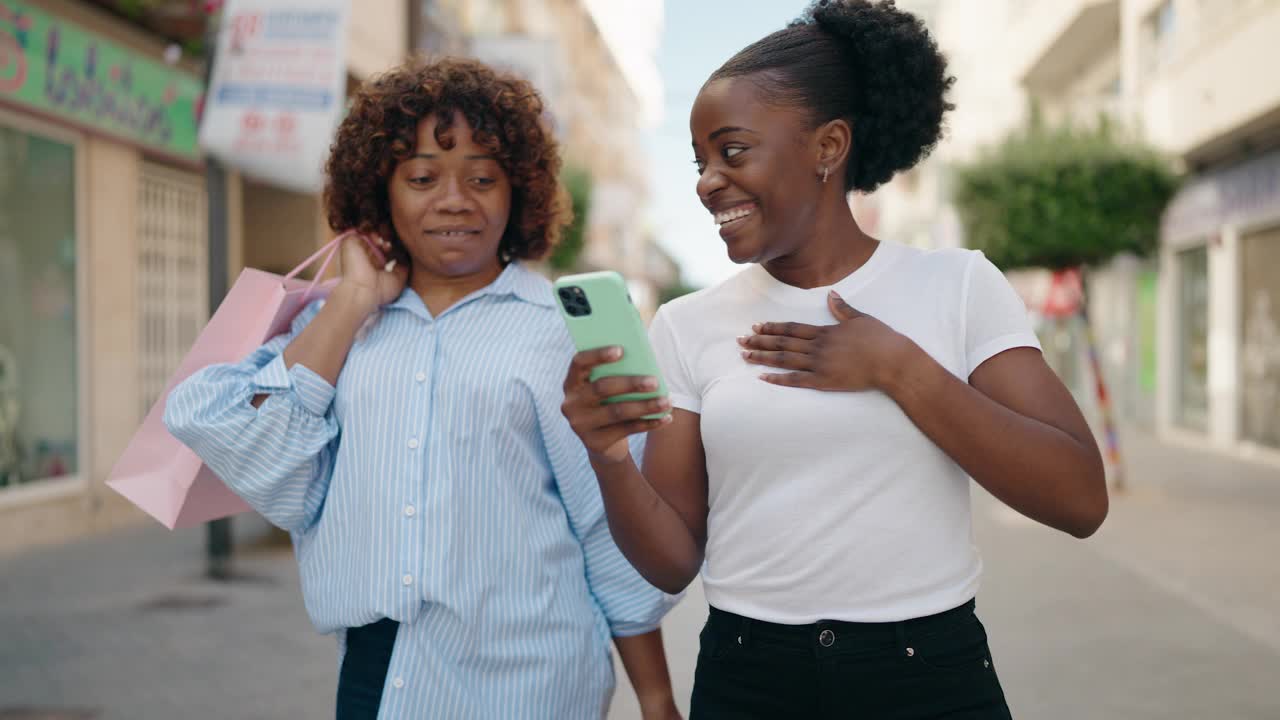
<point>1063,198</point>
<point>1066,199</point>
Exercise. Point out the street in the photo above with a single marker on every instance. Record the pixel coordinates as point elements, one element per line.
<point>1169,612</point>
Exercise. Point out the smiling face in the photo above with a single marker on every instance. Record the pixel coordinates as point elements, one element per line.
<point>450,202</point>
<point>756,166</point>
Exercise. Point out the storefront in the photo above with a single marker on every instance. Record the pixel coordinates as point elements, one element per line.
<point>1220,326</point>
<point>102,255</point>
<point>39,328</point>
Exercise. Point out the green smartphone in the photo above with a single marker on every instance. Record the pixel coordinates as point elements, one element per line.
<point>599,312</point>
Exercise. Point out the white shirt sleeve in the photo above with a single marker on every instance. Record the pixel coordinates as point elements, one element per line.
<point>996,319</point>
<point>672,362</point>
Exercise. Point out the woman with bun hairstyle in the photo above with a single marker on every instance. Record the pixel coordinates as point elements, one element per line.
<point>831,401</point>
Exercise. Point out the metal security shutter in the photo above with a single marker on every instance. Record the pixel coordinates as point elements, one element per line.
<point>173,298</point>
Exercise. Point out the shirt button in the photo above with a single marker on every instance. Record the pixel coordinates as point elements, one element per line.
<point>398,683</point>
<point>409,511</point>
<point>420,377</point>
<point>407,579</point>
<point>413,443</point>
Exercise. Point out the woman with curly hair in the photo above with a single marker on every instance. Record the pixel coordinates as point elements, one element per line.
<point>832,400</point>
<point>407,431</point>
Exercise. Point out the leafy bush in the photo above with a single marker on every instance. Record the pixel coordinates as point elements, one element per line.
<point>1061,198</point>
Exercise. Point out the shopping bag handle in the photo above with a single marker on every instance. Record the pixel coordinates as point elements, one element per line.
<point>330,249</point>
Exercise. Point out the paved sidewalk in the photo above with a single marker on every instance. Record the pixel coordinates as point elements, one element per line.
<point>124,628</point>
<point>1171,611</point>
<point>1205,528</point>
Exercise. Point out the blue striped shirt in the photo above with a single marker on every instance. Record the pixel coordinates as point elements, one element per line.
<point>437,485</point>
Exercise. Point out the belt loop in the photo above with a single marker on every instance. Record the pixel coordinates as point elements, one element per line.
<point>900,633</point>
<point>744,631</point>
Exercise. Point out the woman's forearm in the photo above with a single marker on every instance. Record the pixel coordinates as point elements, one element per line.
<point>323,344</point>
<point>1035,468</point>
<point>645,660</point>
<point>648,530</point>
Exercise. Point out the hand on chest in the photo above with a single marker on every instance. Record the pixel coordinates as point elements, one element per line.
<point>737,404</point>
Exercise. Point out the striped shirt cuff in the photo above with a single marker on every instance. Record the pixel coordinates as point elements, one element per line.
<point>631,629</point>
<point>658,609</point>
<point>313,392</point>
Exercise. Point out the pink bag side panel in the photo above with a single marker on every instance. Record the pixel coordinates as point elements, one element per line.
<point>158,473</point>
<point>207,499</point>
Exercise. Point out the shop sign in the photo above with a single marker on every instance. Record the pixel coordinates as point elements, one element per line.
<point>1242,195</point>
<point>278,89</point>
<point>59,69</point>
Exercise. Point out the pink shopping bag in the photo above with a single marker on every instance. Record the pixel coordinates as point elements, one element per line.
<point>157,472</point>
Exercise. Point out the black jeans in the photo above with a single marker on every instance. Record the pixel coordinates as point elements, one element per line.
<point>932,667</point>
<point>364,670</point>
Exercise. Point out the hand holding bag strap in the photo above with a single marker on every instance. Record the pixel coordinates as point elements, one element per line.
<point>329,249</point>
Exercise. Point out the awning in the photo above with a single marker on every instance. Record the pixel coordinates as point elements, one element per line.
<point>1244,194</point>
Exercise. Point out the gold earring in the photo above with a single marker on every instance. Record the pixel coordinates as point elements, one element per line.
<point>825,170</point>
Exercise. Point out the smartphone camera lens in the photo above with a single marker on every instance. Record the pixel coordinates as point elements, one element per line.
<point>575,301</point>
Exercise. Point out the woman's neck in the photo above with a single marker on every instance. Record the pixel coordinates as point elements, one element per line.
<point>441,292</point>
<point>833,248</point>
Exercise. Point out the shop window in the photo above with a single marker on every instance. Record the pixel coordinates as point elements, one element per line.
<point>39,405</point>
<point>1260,337</point>
<point>1193,339</point>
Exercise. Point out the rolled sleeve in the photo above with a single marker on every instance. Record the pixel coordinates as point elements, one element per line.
<point>314,393</point>
<point>278,457</point>
<point>630,605</point>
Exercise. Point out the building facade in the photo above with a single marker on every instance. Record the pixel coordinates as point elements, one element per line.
<point>1179,74</point>
<point>1199,85</point>
<point>1188,338</point>
<point>104,254</point>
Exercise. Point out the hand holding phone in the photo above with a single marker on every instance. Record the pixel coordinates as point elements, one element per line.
<point>614,387</point>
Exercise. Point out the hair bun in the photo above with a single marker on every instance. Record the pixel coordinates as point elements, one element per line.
<point>901,79</point>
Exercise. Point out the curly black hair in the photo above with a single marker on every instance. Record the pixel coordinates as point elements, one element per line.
<point>505,114</point>
<point>867,62</point>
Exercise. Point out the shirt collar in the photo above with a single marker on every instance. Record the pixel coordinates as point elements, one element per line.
<point>515,280</point>
<point>523,283</point>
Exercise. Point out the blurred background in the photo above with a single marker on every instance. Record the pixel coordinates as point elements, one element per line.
<point>1119,159</point>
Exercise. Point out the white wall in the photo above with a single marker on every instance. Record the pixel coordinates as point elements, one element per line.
<point>378,39</point>
<point>1217,77</point>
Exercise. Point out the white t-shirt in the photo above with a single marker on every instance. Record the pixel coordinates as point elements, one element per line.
<point>833,505</point>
